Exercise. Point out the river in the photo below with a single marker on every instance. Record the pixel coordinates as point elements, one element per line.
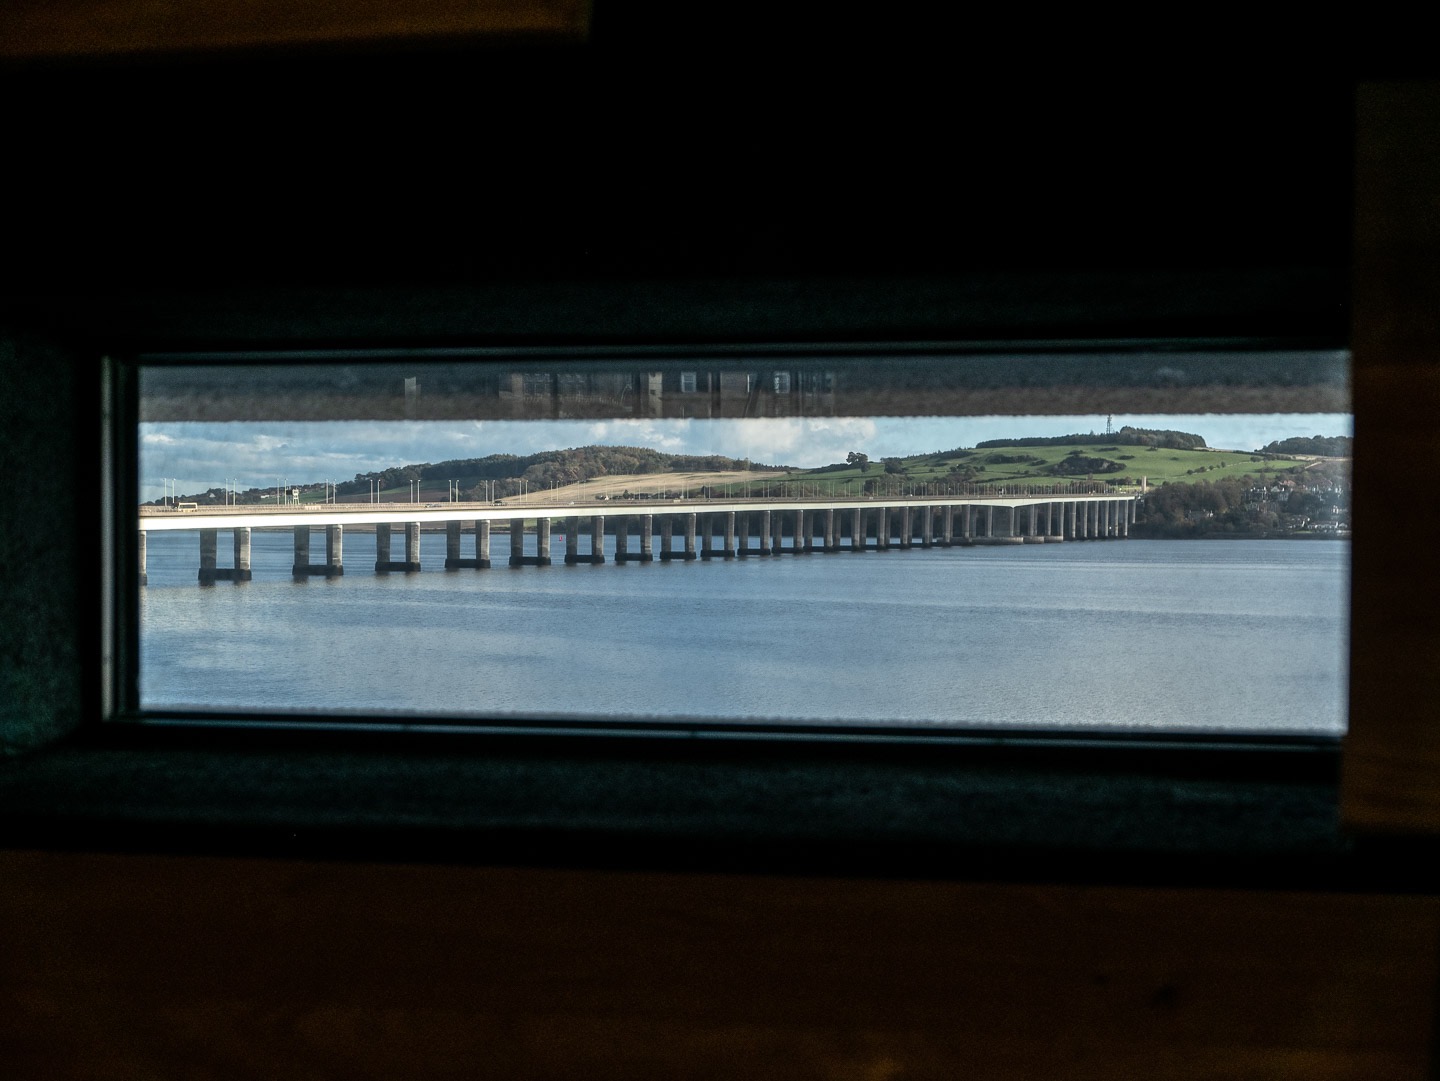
<point>1199,636</point>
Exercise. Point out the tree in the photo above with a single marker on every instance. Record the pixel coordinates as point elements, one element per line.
<point>856,458</point>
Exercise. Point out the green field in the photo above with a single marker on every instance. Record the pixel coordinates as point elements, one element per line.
<point>1037,467</point>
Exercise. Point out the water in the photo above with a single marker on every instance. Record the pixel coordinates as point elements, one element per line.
<point>1188,635</point>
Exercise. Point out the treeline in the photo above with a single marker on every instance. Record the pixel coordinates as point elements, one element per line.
<point>1200,508</point>
<point>546,469</point>
<point>1327,446</point>
<point>1125,437</point>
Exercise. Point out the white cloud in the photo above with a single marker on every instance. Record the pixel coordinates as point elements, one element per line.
<point>205,455</point>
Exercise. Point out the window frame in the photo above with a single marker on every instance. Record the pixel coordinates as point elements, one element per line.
<point>1095,793</point>
<point>123,707</point>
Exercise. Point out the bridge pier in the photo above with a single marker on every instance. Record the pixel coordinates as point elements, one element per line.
<point>1032,525</point>
<point>1055,522</point>
<point>518,558</point>
<point>647,538</point>
<point>383,563</point>
<point>140,552</point>
<point>1026,520</point>
<point>210,573</point>
<point>242,554</point>
<point>207,555</point>
<point>333,567</point>
<point>597,538</point>
<point>572,541</point>
<point>453,535</point>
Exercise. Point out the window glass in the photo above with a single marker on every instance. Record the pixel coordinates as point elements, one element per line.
<point>1135,541</point>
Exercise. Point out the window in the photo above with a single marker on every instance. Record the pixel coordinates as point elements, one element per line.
<point>365,601</point>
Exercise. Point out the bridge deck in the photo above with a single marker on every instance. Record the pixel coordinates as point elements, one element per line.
<point>156,518</point>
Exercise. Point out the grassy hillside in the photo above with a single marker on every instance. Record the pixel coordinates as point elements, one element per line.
<point>1033,466</point>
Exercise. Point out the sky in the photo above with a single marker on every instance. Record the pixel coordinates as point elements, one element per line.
<point>192,457</point>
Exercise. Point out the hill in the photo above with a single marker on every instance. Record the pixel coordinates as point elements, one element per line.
<point>1044,462</point>
<point>499,475</point>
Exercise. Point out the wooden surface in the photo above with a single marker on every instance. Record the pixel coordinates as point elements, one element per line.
<point>130,967</point>
<point>1392,756</point>
<point>33,29</point>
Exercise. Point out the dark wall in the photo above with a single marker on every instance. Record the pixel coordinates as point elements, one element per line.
<point>760,180</point>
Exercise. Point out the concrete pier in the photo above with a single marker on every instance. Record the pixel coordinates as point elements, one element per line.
<point>1032,525</point>
<point>210,573</point>
<point>518,558</point>
<point>241,567</point>
<point>454,536</point>
<point>748,527</point>
<point>482,545</point>
<point>334,565</point>
<point>383,562</point>
<point>597,539</point>
<point>646,523</point>
<point>207,554</point>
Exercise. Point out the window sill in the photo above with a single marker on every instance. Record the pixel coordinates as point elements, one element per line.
<point>1265,818</point>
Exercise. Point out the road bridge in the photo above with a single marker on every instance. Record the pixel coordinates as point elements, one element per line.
<point>724,528</point>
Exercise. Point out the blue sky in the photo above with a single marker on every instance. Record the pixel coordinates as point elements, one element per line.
<point>200,455</point>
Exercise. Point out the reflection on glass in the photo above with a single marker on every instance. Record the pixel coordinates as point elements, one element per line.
<point>676,544</point>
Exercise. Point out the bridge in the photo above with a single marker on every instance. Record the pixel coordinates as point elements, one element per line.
<point>717,528</point>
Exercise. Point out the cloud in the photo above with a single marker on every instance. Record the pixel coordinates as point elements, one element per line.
<point>206,455</point>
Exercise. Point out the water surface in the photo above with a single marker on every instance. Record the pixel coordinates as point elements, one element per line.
<point>1192,635</point>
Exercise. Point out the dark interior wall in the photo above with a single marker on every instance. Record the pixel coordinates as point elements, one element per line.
<point>286,198</point>
<point>49,573</point>
<point>695,146</point>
